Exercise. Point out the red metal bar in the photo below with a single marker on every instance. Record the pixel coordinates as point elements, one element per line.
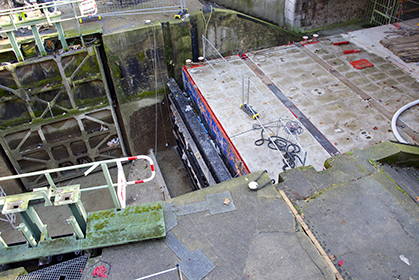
<point>351,51</point>
<point>341,43</point>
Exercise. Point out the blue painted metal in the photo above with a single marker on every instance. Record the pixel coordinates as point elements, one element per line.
<point>215,126</point>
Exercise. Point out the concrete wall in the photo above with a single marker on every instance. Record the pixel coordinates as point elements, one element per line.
<point>311,14</point>
<point>269,10</point>
<point>135,58</point>
<point>300,15</point>
<point>231,32</point>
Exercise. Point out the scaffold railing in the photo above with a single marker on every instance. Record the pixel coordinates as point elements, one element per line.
<point>381,12</point>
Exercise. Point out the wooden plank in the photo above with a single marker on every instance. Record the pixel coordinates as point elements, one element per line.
<point>404,47</point>
<point>311,236</point>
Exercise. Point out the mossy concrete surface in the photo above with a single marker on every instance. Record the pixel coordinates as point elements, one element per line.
<point>12,274</point>
<point>358,213</point>
<point>257,240</point>
<point>104,228</point>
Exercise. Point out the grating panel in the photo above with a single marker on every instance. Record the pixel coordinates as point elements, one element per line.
<point>68,270</point>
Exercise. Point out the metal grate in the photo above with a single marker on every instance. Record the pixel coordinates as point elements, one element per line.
<point>68,270</point>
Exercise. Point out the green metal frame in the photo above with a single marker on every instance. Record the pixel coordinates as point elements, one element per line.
<point>383,11</point>
<point>18,19</point>
<point>91,230</point>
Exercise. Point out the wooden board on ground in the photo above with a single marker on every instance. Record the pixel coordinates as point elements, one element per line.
<point>404,47</point>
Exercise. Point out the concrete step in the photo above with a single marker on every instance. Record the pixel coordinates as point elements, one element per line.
<point>405,178</point>
<point>303,182</point>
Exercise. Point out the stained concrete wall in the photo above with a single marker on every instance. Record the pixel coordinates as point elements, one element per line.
<point>299,15</point>
<point>269,10</point>
<point>231,32</point>
<point>136,58</point>
<point>312,14</point>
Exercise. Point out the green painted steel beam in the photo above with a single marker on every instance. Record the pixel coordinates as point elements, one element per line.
<point>38,40</point>
<point>61,36</point>
<point>104,229</point>
<point>15,46</point>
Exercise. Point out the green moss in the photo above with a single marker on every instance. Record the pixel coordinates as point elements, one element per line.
<point>24,119</point>
<point>98,102</point>
<point>100,226</point>
<point>403,191</point>
<point>141,56</point>
<point>298,209</point>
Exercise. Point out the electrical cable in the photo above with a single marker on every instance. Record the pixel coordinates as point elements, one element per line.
<point>275,142</point>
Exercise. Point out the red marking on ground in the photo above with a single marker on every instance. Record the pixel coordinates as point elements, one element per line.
<point>362,63</point>
<point>100,272</point>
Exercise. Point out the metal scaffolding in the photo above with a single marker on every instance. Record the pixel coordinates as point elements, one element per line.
<point>381,12</point>
<point>34,15</point>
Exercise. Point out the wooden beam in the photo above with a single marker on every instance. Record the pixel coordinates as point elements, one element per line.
<point>311,236</point>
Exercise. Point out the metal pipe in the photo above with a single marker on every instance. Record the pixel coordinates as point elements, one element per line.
<point>43,172</point>
<point>2,242</point>
<point>248,90</point>
<point>242,89</point>
<point>75,226</point>
<point>27,234</point>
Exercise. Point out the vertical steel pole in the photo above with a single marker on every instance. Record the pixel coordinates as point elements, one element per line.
<point>78,26</point>
<point>248,89</point>
<point>37,221</point>
<point>110,185</point>
<point>31,226</point>
<point>2,242</point>
<point>76,227</point>
<point>50,181</point>
<point>27,234</point>
<point>77,209</point>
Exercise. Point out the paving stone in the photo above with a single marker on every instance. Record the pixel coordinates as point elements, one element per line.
<point>377,76</point>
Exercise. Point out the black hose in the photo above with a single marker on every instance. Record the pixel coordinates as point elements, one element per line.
<point>290,149</point>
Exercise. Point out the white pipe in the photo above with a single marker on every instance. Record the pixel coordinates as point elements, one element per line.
<point>396,116</point>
